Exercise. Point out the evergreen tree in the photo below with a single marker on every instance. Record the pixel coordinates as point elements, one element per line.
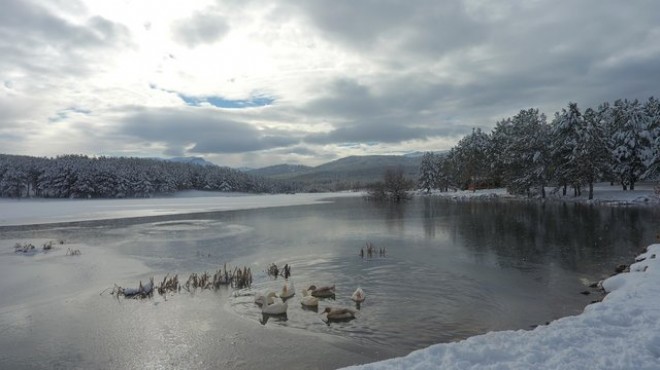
<point>631,142</point>
<point>526,153</point>
<point>593,156</point>
<point>565,136</point>
<point>427,172</point>
<point>652,110</point>
<point>470,159</point>
<point>442,174</point>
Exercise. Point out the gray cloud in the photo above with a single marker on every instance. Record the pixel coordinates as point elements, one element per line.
<point>34,39</point>
<point>205,129</point>
<point>479,60</point>
<point>419,26</point>
<point>201,28</point>
<point>375,131</point>
<point>405,71</point>
<point>397,112</point>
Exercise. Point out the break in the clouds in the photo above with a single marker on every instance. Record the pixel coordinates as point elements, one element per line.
<point>256,82</point>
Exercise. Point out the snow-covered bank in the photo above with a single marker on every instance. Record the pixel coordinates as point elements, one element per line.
<point>39,211</point>
<point>621,332</point>
<point>603,194</point>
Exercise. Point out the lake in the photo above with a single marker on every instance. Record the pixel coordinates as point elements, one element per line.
<point>451,270</point>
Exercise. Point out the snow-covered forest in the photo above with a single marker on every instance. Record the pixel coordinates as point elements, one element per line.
<point>78,176</point>
<point>617,142</point>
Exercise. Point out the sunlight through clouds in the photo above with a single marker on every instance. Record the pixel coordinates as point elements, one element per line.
<point>407,76</point>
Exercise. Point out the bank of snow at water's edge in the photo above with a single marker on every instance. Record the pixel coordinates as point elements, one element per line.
<point>621,332</point>
<point>604,193</point>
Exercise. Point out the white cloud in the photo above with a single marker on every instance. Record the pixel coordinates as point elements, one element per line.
<point>398,76</point>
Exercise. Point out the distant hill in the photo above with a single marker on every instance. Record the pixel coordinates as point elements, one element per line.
<point>278,171</point>
<point>192,160</point>
<point>342,174</point>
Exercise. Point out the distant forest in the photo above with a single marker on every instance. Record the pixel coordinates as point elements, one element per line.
<point>78,176</point>
<point>619,143</point>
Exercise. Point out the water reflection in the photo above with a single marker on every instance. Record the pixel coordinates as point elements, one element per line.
<point>452,269</point>
<point>522,233</point>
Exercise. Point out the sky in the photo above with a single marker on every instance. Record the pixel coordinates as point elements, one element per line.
<point>252,83</point>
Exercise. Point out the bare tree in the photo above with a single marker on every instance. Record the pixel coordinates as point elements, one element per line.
<point>394,186</point>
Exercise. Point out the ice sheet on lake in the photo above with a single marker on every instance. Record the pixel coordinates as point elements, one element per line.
<point>38,211</point>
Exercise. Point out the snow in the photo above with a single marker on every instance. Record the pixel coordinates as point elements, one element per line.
<point>621,332</point>
<point>38,211</point>
<point>604,193</point>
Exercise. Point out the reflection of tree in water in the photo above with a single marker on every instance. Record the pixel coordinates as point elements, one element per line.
<point>576,236</point>
<point>394,214</point>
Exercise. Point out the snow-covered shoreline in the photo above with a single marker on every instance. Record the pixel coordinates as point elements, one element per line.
<point>604,194</point>
<point>621,332</point>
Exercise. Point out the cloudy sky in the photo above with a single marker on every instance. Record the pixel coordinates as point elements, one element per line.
<point>257,82</point>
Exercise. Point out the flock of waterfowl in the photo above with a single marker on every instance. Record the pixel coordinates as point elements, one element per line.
<point>311,296</point>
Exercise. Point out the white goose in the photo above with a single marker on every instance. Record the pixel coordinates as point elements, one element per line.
<point>276,308</point>
<point>287,291</point>
<point>259,298</point>
<point>358,296</point>
<point>308,300</point>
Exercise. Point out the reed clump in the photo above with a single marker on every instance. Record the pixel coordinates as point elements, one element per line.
<point>237,278</point>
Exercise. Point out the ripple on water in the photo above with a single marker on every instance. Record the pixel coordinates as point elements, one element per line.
<point>405,303</point>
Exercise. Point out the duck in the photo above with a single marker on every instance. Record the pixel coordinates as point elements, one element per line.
<point>338,313</point>
<point>287,291</point>
<point>276,308</point>
<point>322,292</point>
<point>259,298</point>
<point>308,300</point>
<point>358,296</point>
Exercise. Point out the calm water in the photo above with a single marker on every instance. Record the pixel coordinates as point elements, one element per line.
<point>452,270</point>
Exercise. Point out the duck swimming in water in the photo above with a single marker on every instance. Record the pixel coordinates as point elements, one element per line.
<point>260,298</point>
<point>276,308</point>
<point>358,296</point>
<point>288,291</point>
<point>308,300</point>
<point>322,292</point>
<point>338,313</point>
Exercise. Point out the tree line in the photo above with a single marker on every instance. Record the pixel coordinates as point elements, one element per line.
<point>79,176</point>
<point>618,142</point>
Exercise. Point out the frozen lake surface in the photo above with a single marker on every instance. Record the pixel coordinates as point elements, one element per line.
<point>452,270</point>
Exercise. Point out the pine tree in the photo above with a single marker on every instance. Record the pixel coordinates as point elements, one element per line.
<point>652,110</point>
<point>593,156</point>
<point>565,137</point>
<point>470,159</point>
<point>631,142</point>
<point>526,153</point>
<point>427,172</point>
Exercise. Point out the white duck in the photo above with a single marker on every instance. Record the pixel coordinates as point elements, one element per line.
<point>308,300</point>
<point>287,291</point>
<point>358,296</point>
<point>276,308</point>
<point>259,298</point>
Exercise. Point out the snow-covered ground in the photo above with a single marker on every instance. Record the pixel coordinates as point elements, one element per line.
<point>39,211</point>
<point>621,332</point>
<point>604,193</point>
